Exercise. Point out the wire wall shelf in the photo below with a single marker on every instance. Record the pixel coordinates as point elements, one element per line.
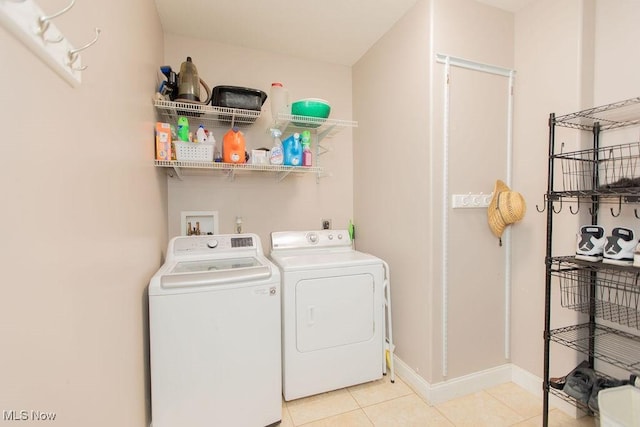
<point>170,111</point>
<point>610,116</point>
<point>324,128</point>
<point>231,168</point>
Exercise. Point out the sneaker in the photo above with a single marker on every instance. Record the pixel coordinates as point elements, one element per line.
<point>620,247</point>
<point>590,244</point>
<point>636,256</point>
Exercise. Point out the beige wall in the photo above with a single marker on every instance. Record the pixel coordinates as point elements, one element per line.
<point>549,60</point>
<point>577,60</point>
<point>567,56</point>
<point>391,158</point>
<point>82,220</point>
<point>399,152</point>
<point>265,204</point>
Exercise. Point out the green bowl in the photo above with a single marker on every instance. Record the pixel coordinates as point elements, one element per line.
<point>311,107</point>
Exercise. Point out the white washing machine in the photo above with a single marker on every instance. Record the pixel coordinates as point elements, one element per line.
<point>332,312</point>
<point>214,321</point>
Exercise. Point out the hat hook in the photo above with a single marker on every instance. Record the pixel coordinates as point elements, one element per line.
<point>554,209</point>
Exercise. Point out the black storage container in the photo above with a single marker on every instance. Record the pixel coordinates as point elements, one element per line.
<point>238,97</point>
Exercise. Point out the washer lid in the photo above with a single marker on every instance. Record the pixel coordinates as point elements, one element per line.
<point>214,271</point>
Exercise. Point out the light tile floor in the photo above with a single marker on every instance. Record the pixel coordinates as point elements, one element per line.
<point>383,404</point>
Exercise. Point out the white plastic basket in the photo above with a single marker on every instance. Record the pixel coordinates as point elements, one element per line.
<point>619,406</point>
<point>194,151</point>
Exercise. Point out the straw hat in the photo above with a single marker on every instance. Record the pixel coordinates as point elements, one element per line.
<point>506,207</point>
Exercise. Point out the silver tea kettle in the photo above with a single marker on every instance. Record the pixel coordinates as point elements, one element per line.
<point>189,84</point>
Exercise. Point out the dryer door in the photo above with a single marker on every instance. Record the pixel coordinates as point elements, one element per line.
<point>334,311</point>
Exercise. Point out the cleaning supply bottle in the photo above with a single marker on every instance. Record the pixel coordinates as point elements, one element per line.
<point>183,128</point>
<point>307,156</point>
<point>234,146</point>
<point>276,155</point>
<point>201,135</point>
<point>279,96</point>
<point>292,150</point>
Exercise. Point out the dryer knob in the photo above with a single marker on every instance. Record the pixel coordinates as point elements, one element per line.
<point>312,237</point>
<point>212,244</point>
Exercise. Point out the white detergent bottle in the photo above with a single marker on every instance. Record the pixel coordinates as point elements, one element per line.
<point>201,135</point>
<point>279,100</point>
<point>276,155</point>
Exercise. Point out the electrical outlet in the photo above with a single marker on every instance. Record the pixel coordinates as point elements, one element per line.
<point>326,224</point>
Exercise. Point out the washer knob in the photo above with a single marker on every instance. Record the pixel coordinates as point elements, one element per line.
<point>212,244</point>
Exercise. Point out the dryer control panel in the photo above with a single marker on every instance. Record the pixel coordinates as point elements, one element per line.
<point>310,239</point>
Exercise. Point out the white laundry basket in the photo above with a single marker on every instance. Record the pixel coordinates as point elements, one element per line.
<point>619,406</point>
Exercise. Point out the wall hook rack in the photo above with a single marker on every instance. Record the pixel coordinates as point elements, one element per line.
<point>35,29</point>
<point>470,200</point>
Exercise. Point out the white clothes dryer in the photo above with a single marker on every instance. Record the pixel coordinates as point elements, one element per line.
<point>332,312</point>
<point>214,326</point>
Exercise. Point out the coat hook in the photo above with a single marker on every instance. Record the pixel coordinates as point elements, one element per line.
<point>619,208</point>
<point>577,210</point>
<point>593,210</point>
<point>43,22</point>
<point>73,54</point>
<point>544,207</point>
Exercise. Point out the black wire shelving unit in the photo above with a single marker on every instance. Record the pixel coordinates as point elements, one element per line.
<point>587,179</point>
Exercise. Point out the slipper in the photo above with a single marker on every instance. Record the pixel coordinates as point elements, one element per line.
<point>580,383</point>
<point>559,382</point>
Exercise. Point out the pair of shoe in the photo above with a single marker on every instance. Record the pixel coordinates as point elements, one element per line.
<point>583,384</point>
<point>620,248</point>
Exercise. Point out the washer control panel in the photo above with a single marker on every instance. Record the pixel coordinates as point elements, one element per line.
<point>187,245</point>
<point>310,239</point>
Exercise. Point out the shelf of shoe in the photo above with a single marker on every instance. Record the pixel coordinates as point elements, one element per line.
<point>616,297</point>
<point>616,168</point>
<point>613,346</point>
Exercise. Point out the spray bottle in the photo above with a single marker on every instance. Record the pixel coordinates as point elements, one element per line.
<point>306,148</point>
<point>276,155</point>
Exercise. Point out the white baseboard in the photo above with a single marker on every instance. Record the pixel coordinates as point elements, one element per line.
<point>533,384</point>
<point>467,384</point>
<point>456,387</point>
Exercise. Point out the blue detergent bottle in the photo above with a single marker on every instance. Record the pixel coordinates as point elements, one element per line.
<point>292,150</point>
